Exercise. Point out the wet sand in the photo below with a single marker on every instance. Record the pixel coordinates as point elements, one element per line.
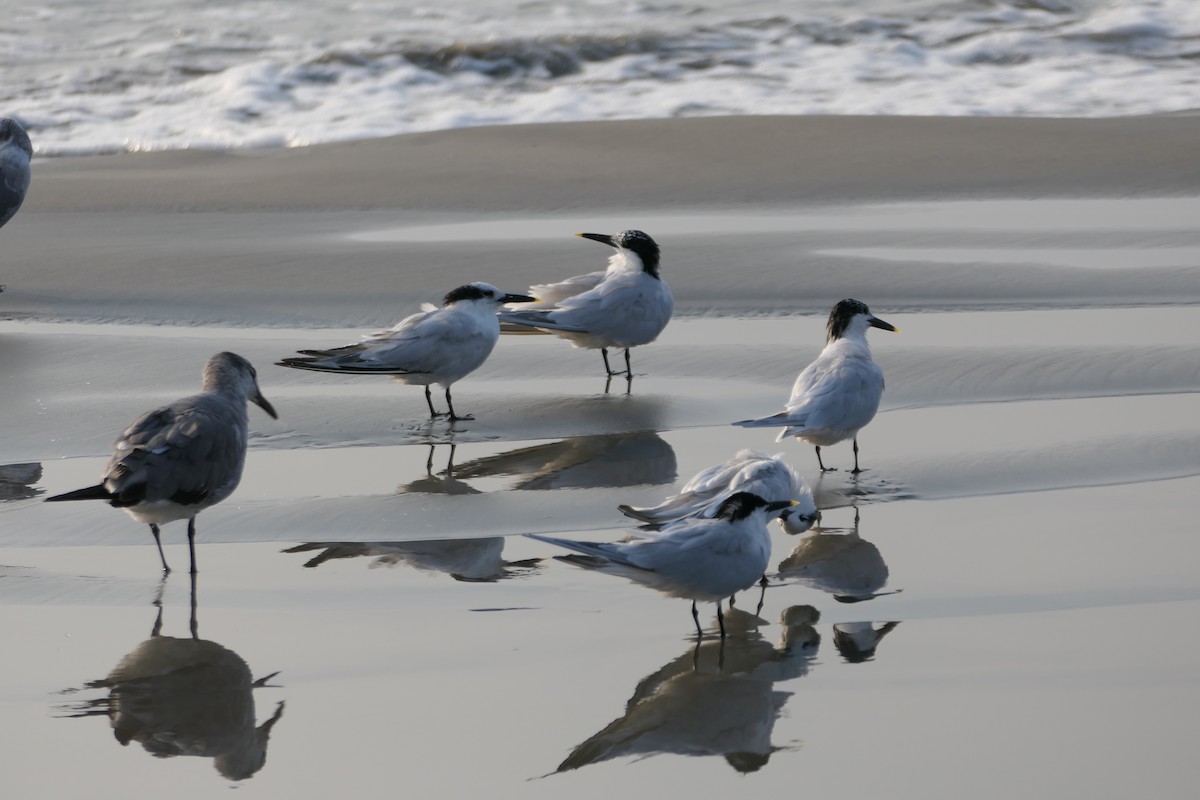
<point>1022,566</point>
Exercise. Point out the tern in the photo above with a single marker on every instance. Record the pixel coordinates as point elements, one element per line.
<point>747,471</point>
<point>624,306</point>
<point>838,393</point>
<point>435,345</point>
<point>175,461</point>
<point>695,558</point>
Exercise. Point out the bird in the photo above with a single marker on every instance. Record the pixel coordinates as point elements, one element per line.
<point>838,393</point>
<point>15,153</point>
<point>748,471</point>
<point>697,559</point>
<point>435,345</point>
<point>627,305</point>
<point>175,461</point>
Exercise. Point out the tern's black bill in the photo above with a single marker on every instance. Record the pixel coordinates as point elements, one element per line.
<point>518,298</point>
<point>876,322</point>
<point>603,238</point>
<point>780,505</point>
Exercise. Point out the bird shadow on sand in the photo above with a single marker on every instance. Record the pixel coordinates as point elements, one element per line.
<point>184,696</point>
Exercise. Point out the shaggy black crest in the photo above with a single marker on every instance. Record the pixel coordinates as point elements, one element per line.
<point>643,245</point>
<point>841,315</point>
<point>740,505</point>
<point>468,292</point>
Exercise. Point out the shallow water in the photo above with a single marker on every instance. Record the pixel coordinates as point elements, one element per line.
<point>1005,618</point>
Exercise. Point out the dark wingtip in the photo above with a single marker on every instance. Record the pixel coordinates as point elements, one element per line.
<point>97,492</point>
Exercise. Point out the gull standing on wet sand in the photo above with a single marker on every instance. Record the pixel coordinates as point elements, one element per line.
<point>747,471</point>
<point>838,393</point>
<point>176,461</point>
<point>624,306</point>
<point>695,558</point>
<point>435,345</point>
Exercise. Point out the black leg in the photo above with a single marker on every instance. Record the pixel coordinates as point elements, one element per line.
<point>192,542</point>
<point>607,368</point>
<point>856,469</point>
<point>720,620</point>
<point>821,463</point>
<point>192,622</point>
<point>429,461</point>
<point>762,598</point>
<point>158,541</point>
<point>157,622</point>
<point>696,619</point>
<point>429,402</point>
<point>454,416</point>
<point>628,367</point>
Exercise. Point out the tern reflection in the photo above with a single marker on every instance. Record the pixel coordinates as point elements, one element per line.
<point>186,697</point>
<point>17,481</point>
<point>587,462</point>
<point>716,699</point>
<point>470,560</point>
<point>838,561</point>
<point>445,482</point>
<point>856,641</point>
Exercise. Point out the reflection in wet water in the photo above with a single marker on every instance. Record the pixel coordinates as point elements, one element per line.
<point>588,462</point>
<point>471,560</point>
<point>186,697</point>
<point>843,564</point>
<point>856,641</point>
<point>431,483</point>
<point>718,699</point>
<point>17,481</point>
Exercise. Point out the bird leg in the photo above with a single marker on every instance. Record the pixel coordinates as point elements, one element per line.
<point>609,369</point>
<point>158,541</point>
<point>856,470</point>
<point>193,624</point>
<point>762,597</point>
<point>721,620</point>
<point>454,417</point>
<point>192,542</point>
<point>696,619</point>
<point>821,464</point>
<point>628,367</point>
<point>429,402</point>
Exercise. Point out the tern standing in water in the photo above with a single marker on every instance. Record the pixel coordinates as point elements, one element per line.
<point>435,345</point>
<point>176,461</point>
<point>838,393</point>
<point>695,558</point>
<point>624,306</point>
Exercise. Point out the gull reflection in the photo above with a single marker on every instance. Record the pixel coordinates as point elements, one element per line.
<point>589,462</point>
<point>17,481</point>
<point>470,560</point>
<point>186,697</point>
<point>837,561</point>
<point>717,699</point>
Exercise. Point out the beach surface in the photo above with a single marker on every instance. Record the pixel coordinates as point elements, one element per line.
<point>992,609</point>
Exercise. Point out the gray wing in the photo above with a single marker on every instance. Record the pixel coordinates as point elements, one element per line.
<point>189,452</point>
<point>14,181</point>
